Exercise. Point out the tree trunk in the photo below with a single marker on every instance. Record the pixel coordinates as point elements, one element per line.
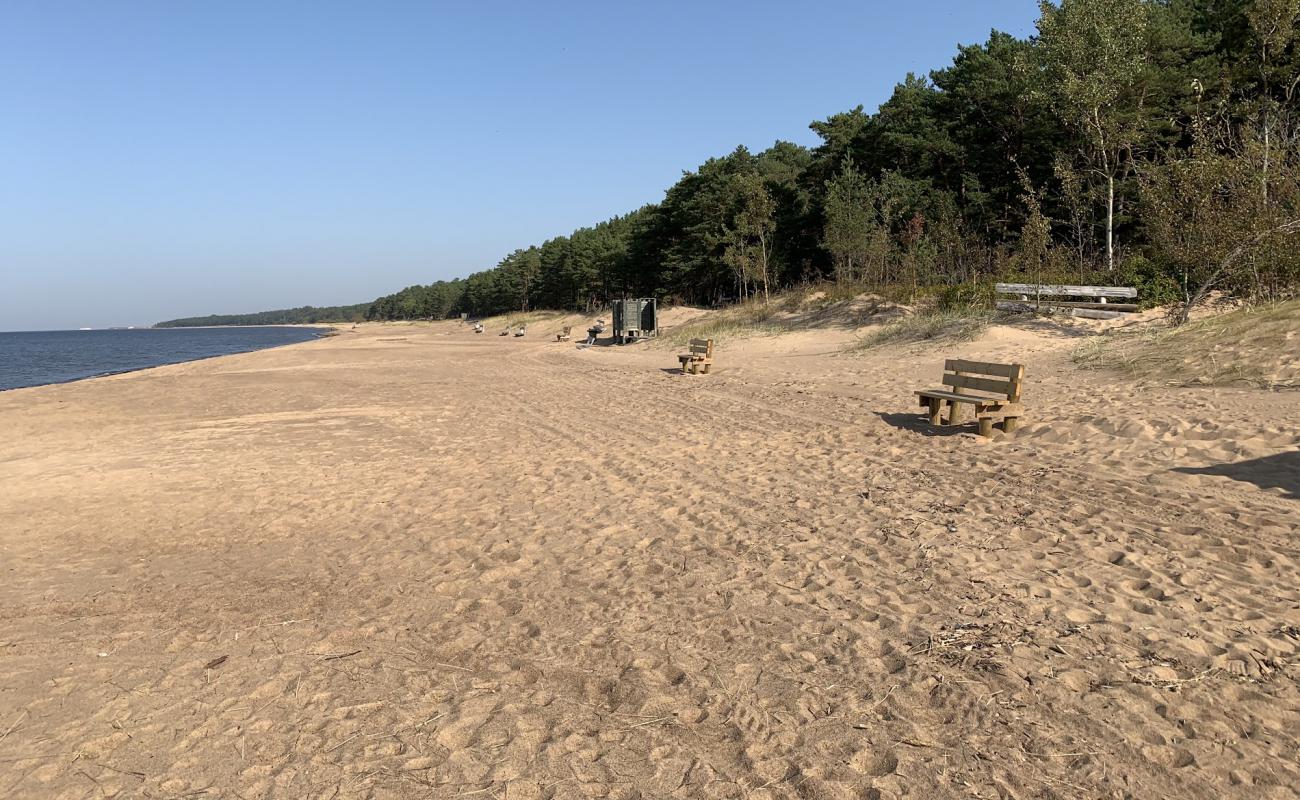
<point>1264,177</point>
<point>1110,223</point>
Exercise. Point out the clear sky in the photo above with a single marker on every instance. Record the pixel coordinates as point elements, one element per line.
<point>161,159</point>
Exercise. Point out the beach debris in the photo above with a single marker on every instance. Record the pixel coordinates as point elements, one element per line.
<point>970,645</point>
<point>216,662</point>
<point>337,656</point>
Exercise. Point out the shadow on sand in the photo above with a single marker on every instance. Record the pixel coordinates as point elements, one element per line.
<point>1046,326</point>
<point>1281,471</point>
<point>919,423</point>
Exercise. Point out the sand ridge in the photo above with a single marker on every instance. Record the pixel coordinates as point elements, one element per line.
<point>409,561</point>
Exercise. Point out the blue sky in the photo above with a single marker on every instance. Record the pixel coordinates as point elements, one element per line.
<point>164,159</point>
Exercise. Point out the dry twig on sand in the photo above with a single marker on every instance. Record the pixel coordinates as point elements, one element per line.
<point>13,725</point>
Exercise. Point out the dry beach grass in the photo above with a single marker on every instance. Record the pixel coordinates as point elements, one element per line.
<point>1245,347</point>
<point>409,561</point>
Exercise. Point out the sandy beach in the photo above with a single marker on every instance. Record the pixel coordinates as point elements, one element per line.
<point>411,562</point>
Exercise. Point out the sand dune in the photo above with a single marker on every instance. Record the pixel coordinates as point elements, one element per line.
<point>409,561</point>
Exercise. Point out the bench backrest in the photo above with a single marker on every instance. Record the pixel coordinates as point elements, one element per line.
<point>566,330</point>
<point>1032,290</point>
<point>984,379</point>
<point>702,347</point>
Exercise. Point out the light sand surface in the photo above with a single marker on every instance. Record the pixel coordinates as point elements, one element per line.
<point>410,562</point>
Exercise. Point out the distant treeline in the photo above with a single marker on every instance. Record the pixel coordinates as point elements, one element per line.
<point>306,315</point>
<point>1153,143</point>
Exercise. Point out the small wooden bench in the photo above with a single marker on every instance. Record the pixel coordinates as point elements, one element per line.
<point>563,336</point>
<point>522,330</point>
<point>999,387</point>
<point>699,359</point>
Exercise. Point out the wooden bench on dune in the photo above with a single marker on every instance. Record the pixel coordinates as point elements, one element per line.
<point>699,359</point>
<point>563,335</point>
<point>1092,302</point>
<point>993,390</point>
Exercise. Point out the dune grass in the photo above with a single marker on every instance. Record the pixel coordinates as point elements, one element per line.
<point>933,325</point>
<point>1257,347</point>
<point>805,307</point>
<point>738,322</point>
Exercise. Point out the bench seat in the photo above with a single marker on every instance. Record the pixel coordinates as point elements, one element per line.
<point>978,402</point>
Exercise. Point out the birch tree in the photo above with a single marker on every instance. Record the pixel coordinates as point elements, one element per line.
<point>1091,53</point>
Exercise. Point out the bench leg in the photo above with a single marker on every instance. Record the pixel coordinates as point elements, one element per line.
<point>695,368</point>
<point>954,413</point>
<point>936,408</point>
<point>706,367</point>
<point>1009,424</point>
<point>986,426</point>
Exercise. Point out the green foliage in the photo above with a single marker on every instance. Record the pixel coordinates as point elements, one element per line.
<point>1216,224</point>
<point>1155,287</point>
<point>852,226</point>
<point>435,301</point>
<point>1091,54</point>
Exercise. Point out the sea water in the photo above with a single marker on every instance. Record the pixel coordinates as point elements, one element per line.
<point>39,357</point>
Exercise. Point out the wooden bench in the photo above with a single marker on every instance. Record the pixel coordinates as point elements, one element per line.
<point>1042,297</point>
<point>563,336</point>
<point>700,357</point>
<point>522,330</point>
<point>998,385</point>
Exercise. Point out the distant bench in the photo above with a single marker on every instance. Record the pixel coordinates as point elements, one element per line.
<point>700,357</point>
<point>1034,297</point>
<point>1000,387</point>
<point>563,336</point>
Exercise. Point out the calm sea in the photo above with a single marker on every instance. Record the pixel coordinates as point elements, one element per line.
<point>39,357</point>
